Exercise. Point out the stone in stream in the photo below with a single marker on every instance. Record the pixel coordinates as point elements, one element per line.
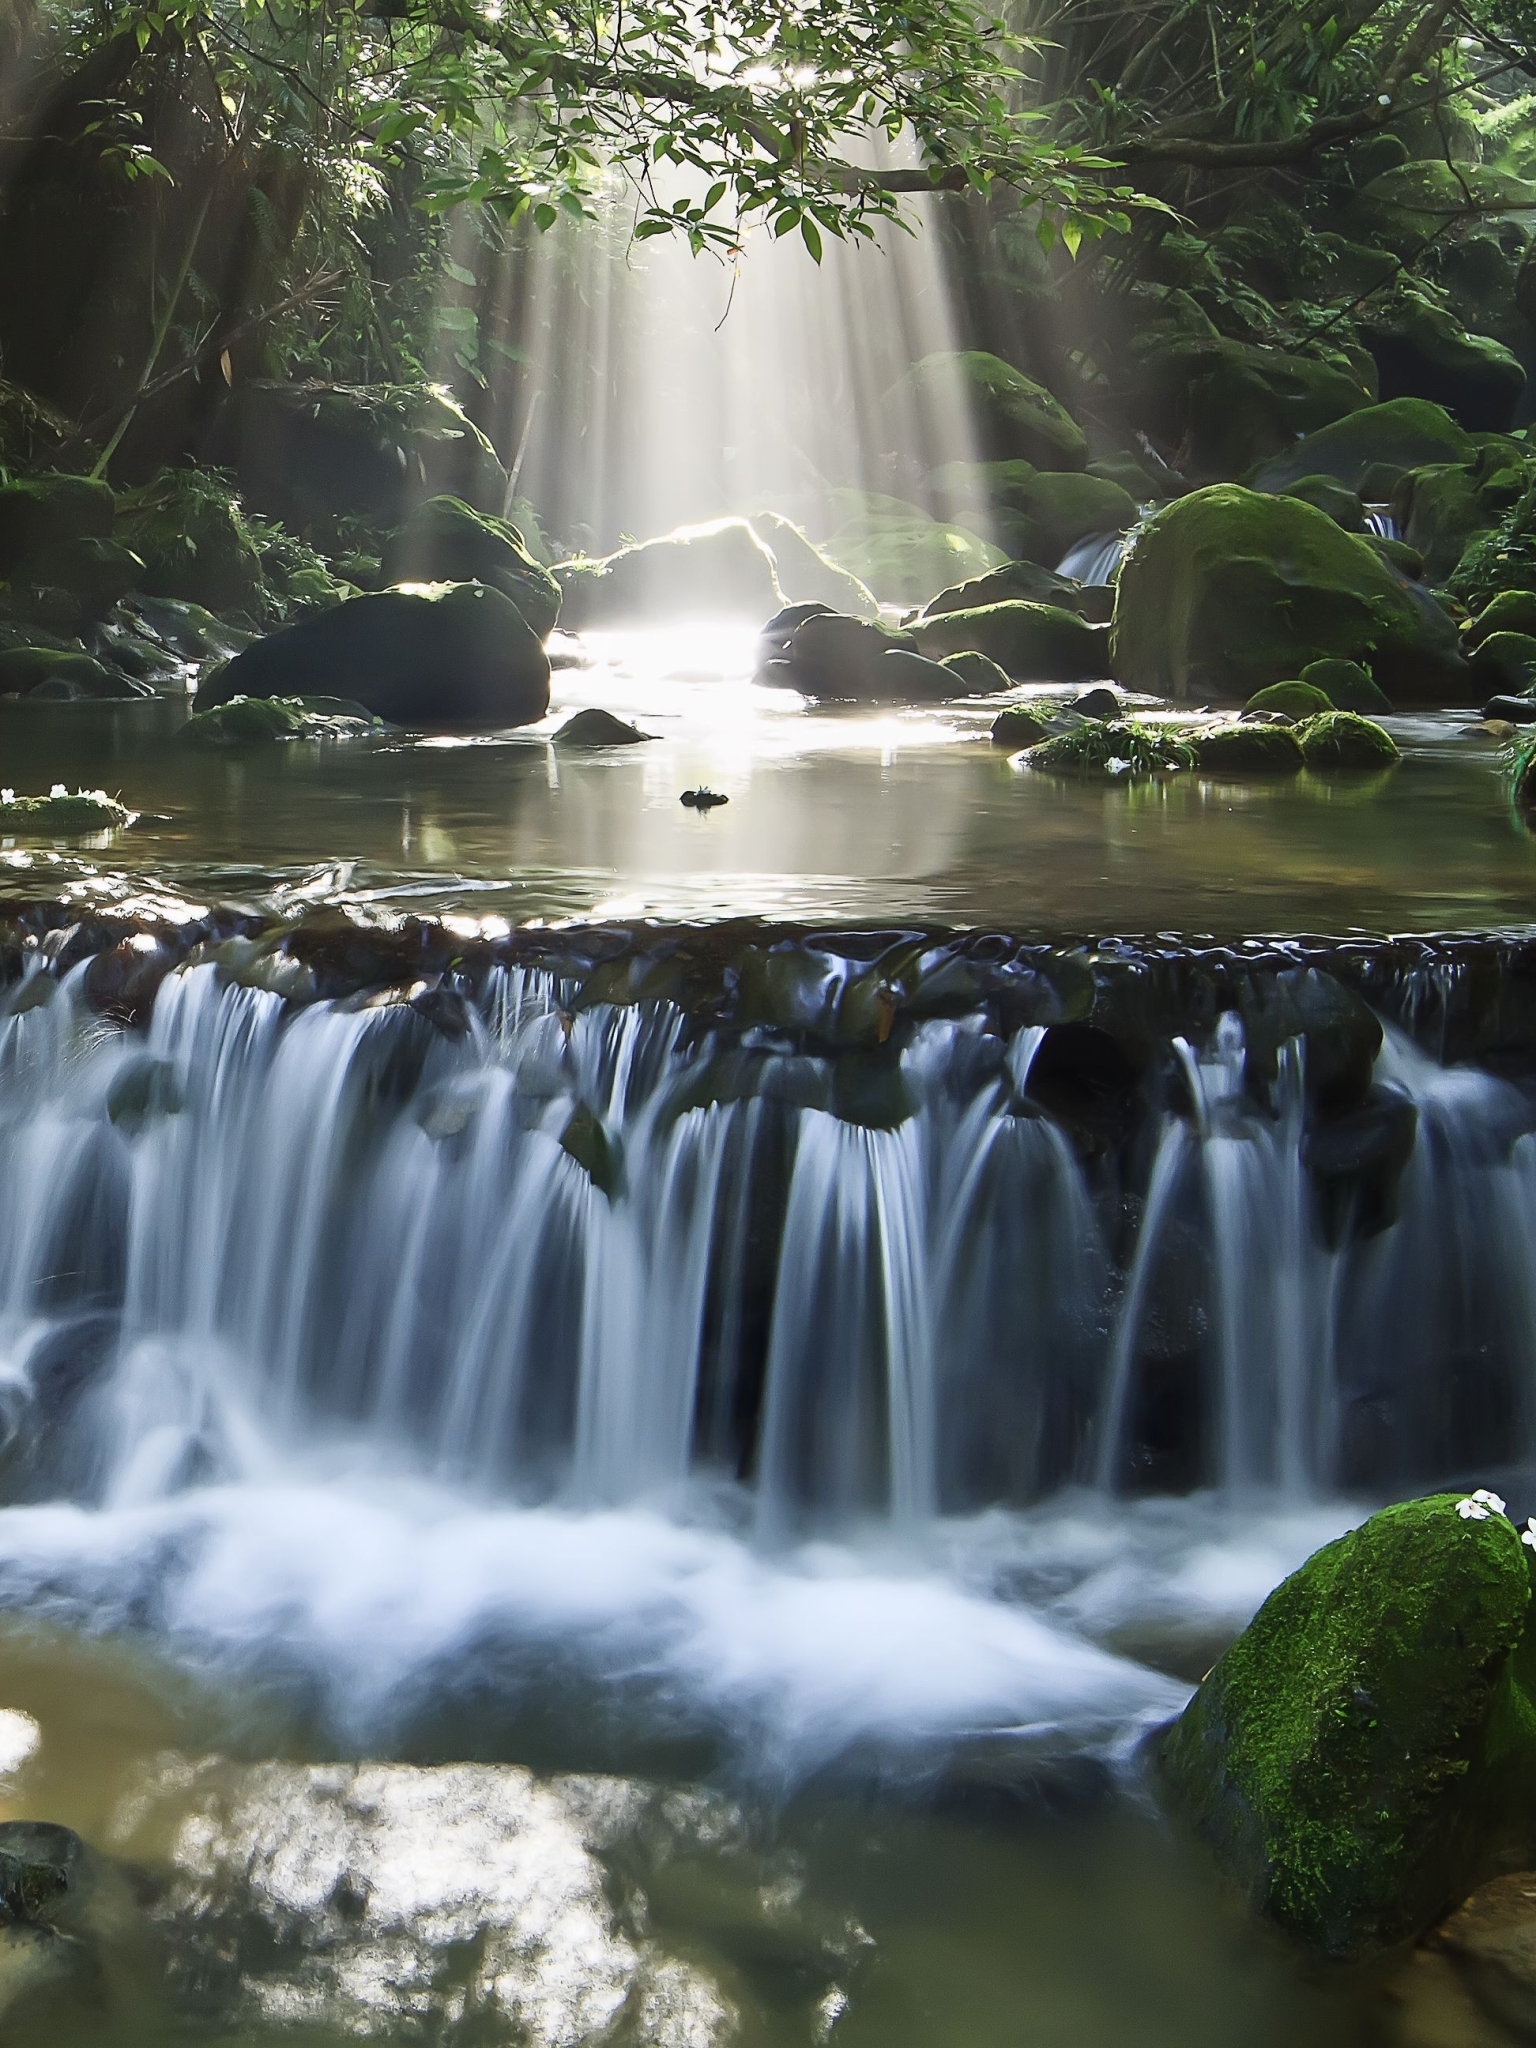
<point>1016,728</point>
<point>447,541</point>
<point>1100,703</point>
<point>462,656</point>
<point>1505,663</point>
<point>1294,699</point>
<point>39,1864</point>
<point>594,728</point>
<point>1337,740</point>
<point>1356,1755</point>
<point>1348,686</point>
<point>1248,748</point>
<point>24,670</point>
<point>1030,582</point>
<point>1037,643</point>
<point>1511,710</point>
<point>978,674</point>
<point>1227,590</point>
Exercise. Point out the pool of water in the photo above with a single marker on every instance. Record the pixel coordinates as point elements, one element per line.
<point>833,814</point>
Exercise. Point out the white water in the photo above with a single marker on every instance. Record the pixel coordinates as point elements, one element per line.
<point>325,1365</point>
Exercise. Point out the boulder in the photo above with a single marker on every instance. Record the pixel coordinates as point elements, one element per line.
<point>25,669</point>
<point>1414,202</point>
<point>244,721</point>
<point>44,511</point>
<point>1037,643</point>
<point>1039,514</point>
<point>312,453</point>
<point>977,674</point>
<point>191,530</point>
<point>717,570</point>
<point>1504,663</point>
<point>1017,419</point>
<point>907,677</point>
<point>593,728</point>
<point>1422,351</point>
<point>1228,404</point>
<point>1349,1757</point>
<point>63,813</point>
<point>1295,699</point>
<point>1229,589</point>
<point>1239,749</point>
<point>1389,439</point>
<point>98,572</point>
<point>1439,508</point>
<point>1342,505</point>
<point>1100,703</point>
<point>1348,686</point>
<point>1344,740</point>
<point>1114,748</point>
<point>806,574</point>
<point>837,658</point>
<point>447,541</point>
<point>1029,581</point>
<point>1017,728</point>
<point>1512,611</point>
<point>902,553</point>
<point>1503,559</point>
<point>460,656</point>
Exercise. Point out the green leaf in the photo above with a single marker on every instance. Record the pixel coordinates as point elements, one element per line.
<point>810,234</point>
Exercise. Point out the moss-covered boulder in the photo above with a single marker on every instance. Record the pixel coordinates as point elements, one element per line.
<point>720,569</point>
<point>1440,508</point>
<point>189,527</point>
<point>251,721</point>
<point>1414,202</point>
<point>1017,419</point>
<point>1342,505</point>
<point>1388,439</point>
<point>26,669</point>
<point>1016,729</point>
<point>447,541</point>
<point>1423,351</point>
<point>1247,749</point>
<point>1030,582</point>
<point>808,575</point>
<point>62,814</point>
<point>978,674</point>
<point>1293,699</point>
<point>1229,589</point>
<point>902,553</point>
<point>1512,611</point>
<point>1348,1757</point>
<point>1336,740</point>
<point>1348,686</point>
<point>45,511</point>
<point>1035,643</point>
<point>460,656</point>
<point>1504,664</point>
<point>1229,404</point>
<point>1114,748</point>
<point>1040,514</point>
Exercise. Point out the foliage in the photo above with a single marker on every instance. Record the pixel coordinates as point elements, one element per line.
<point>1114,747</point>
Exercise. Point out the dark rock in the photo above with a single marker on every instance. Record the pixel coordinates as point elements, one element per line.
<point>1248,749</point>
<point>702,799</point>
<point>1100,703</point>
<point>1389,439</point>
<point>40,1863</point>
<point>1513,710</point>
<point>124,981</point>
<point>1421,351</point>
<point>1018,419</point>
<point>1032,642</point>
<point>977,674</point>
<point>1230,404</point>
<point>1504,663</point>
<point>905,677</point>
<point>446,541</point>
<point>23,669</point>
<point>1016,729</point>
<point>1349,1756</point>
<point>833,657</point>
<point>461,657</point>
<point>1340,1033</point>
<point>1357,1161</point>
<point>593,728</point>
<point>47,511</point>
<point>106,688</point>
<point>98,572</point>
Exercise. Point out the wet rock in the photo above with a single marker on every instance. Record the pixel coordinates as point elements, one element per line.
<point>190,632</point>
<point>1348,686</point>
<point>1389,439</point>
<point>1018,419</point>
<point>593,728</point>
<point>1016,728</point>
<point>50,511</point>
<point>1247,749</point>
<point>702,799</point>
<point>1295,699</point>
<point>25,669</point>
<point>1337,741</point>
<point>596,1148</point>
<point>1228,589</point>
<point>79,689</point>
<point>1339,1032</point>
<point>1100,703</point>
<point>977,674</point>
<point>869,1088</point>
<point>461,657</point>
<point>1230,404</point>
<point>1357,1162</point>
<point>63,813</point>
<point>833,657</point>
<point>124,981</point>
<point>717,570</point>
<point>808,575</point>
<point>1032,642</point>
<point>1512,611</point>
<point>1348,1757</point>
<point>40,1864</point>
<point>1086,1080</point>
<point>1030,582</point>
<point>1114,748</point>
<point>1423,352</point>
<point>911,678</point>
<point>1491,1941</point>
<point>1510,711</point>
<point>249,721</point>
<point>1342,505</point>
<point>447,541</point>
<point>1504,664</point>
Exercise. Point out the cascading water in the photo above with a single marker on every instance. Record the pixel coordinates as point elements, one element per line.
<point>544,1304</point>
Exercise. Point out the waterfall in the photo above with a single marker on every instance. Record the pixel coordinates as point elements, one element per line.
<point>588,1255</point>
<point>1094,560</point>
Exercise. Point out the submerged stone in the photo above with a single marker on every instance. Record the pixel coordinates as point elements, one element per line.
<point>1348,1757</point>
<point>462,656</point>
<point>594,728</point>
<point>39,1864</point>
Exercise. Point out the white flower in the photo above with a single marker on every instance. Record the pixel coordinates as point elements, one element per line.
<point>58,789</point>
<point>1115,766</point>
<point>1528,1533</point>
<point>7,796</point>
<point>1489,1500</point>
<point>1471,1511</point>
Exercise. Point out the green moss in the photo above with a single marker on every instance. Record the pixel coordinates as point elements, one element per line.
<point>1512,611</point>
<point>1016,729</point>
<point>1039,514</point>
<point>26,668</point>
<point>977,673</point>
<point>63,812</point>
<point>1229,589</point>
<point>1114,748</point>
<point>1018,419</point>
<point>1034,642</point>
<point>1030,582</point>
<point>1348,686</point>
<point>1293,699</point>
<point>1239,749</point>
<point>1338,1757</point>
<point>1326,492</point>
<point>446,541</point>
<point>244,721</point>
<point>1403,434</point>
<point>1342,739</point>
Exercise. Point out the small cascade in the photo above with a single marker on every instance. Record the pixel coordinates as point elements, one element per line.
<point>1382,521</point>
<point>590,1254</point>
<point>1094,560</point>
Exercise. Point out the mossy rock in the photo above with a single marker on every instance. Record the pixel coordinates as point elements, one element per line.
<point>63,813</point>
<point>1373,155</point>
<point>1422,351</point>
<point>1016,729</point>
<point>976,673</point>
<point>1293,699</point>
<point>247,721</point>
<point>1348,686</point>
<point>43,511</point>
<point>1405,561</point>
<point>1017,419</point>
<point>1406,206</point>
<point>191,531</point>
<point>1036,643</point>
<point>1113,749</point>
<point>1230,404</point>
<point>1392,438</point>
<point>96,571</point>
<point>1344,740</point>
<point>1239,749</point>
<point>1347,1757</point>
<point>901,552</point>
<point>1030,582</point>
<point>1512,611</point>
<point>1341,504</point>
<point>1353,269</point>
<point>24,669</point>
<point>808,575</point>
<point>1040,514</point>
<point>1504,664</point>
<point>447,541</point>
<point>1227,590</point>
<point>1440,508</point>
<point>718,569</point>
